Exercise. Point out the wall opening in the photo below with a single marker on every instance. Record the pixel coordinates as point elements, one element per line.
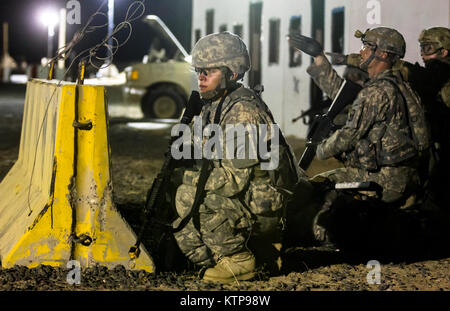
<point>238,29</point>
<point>209,21</point>
<point>295,56</point>
<point>274,41</point>
<point>197,35</point>
<point>337,30</point>
<point>255,43</point>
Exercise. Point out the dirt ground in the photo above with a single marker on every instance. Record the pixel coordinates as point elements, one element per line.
<point>137,155</point>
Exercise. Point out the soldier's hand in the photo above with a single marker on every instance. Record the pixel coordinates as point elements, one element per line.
<point>320,153</point>
<point>337,58</point>
<point>354,59</point>
<point>305,44</point>
<point>193,107</point>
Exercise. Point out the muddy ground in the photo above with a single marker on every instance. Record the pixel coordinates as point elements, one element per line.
<point>137,155</point>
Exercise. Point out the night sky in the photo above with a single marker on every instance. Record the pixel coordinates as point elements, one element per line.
<point>28,38</point>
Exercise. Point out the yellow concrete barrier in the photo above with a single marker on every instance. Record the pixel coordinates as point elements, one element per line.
<point>56,201</point>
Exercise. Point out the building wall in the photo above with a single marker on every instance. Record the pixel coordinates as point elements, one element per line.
<point>287,89</point>
<point>409,17</point>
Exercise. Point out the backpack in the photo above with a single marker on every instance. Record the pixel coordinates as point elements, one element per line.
<point>415,112</point>
<point>286,175</point>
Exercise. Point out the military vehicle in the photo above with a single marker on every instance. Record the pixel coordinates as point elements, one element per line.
<point>162,82</point>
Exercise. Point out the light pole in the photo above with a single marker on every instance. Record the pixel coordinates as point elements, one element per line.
<point>110,25</point>
<point>62,36</point>
<point>49,18</point>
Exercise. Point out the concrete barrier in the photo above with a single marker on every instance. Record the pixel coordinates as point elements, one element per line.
<point>56,202</point>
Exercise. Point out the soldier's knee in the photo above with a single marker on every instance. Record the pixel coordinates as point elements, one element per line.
<point>184,199</point>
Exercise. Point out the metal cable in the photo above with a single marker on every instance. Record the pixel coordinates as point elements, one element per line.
<point>92,52</point>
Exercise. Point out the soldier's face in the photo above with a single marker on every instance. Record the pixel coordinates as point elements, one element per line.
<point>429,54</point>
<point>365,52</point>
<point>208,79</point>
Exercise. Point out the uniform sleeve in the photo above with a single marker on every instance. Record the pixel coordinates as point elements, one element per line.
<point>369,107</point>
<point>445,94</point>
<point>326,78</point>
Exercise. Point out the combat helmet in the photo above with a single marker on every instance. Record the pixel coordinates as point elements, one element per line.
<point>438,37</point>
<point>222,49</point>
<point>385,39</point>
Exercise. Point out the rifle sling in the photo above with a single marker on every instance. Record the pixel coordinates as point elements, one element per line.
<point>205,170</point>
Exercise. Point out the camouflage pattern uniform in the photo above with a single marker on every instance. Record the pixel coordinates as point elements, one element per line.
<point>370,143</point>
<point>237,190</point>
<point>432,83</point>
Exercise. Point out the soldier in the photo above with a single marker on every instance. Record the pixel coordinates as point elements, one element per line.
<point>432,83</point>
<point>238,192</point>
<point>376,143</point>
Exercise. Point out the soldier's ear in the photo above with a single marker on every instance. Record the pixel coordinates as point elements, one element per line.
<point>384,55</point>
<point>234,76</point>
<point>444,53</point>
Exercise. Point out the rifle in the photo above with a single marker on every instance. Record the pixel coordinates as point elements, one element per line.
<point>156,194</point>
<point>312,112</point>
<point>323,125</point>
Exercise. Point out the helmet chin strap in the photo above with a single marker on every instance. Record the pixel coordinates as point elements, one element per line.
<point>365,66</point>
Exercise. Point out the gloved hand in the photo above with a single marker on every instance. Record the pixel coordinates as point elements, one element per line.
<point>322,153</point>
<point>193,108</point>
<point>305,44</point>
<point>337,58</point>
<point>354,59</point>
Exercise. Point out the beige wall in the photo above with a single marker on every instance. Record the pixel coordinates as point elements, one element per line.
<point>407,16</point>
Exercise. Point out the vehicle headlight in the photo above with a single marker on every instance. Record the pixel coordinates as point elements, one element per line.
<point>134,75</point>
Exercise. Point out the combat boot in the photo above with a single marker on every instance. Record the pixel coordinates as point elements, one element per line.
<point>239,267</point>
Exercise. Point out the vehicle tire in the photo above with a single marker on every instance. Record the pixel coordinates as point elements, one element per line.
<point>162,103</point>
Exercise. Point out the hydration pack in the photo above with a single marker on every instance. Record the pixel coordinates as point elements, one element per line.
<point>415,112</point>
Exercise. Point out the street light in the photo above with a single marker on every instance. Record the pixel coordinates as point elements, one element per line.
<point>110,24</point>
<point>49,18</point>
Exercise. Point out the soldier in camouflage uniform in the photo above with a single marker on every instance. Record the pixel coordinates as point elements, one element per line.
<point>372,143</point>
<point>432,83</point>
<point>237,191</point>
<point>375,144</point>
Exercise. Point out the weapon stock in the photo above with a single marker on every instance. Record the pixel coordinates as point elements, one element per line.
<point>156,193</point>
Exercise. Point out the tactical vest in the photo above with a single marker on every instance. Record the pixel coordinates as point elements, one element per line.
<point>389,146</point>
<point>415,112</point>
<point>286,175</point>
